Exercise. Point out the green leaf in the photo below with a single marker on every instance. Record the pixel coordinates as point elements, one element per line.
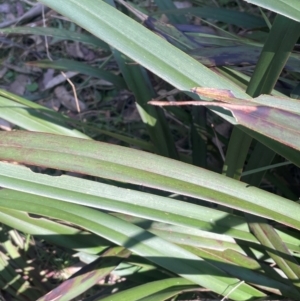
<point>136,167</point>
<point>154,119</point>
<point>249,270</point>
<point>164,5</point>
<point>229,16</point>
<point>116,199</point>
<point>90,276</point>
<point>141,45</point>
<point>59,33</point>
<point>53,232</point>
<point>133,238</point>
<point>276,249</point>
<point>277,124</point>
<point>133,203</point>
<point>288,8</point>
<point>276,51</point>
<point>34,117</point>
<point>171,285</point>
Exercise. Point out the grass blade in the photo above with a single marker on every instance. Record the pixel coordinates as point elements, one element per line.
<point>59,33</point>
<point>136,167</point>
<point>134,238</point>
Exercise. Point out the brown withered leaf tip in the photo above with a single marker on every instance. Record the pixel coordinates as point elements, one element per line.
<point>217,94</point>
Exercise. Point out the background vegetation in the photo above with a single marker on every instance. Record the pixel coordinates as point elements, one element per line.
<point>106,196</point>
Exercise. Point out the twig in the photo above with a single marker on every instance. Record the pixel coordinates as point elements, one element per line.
<point>63,74</point>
